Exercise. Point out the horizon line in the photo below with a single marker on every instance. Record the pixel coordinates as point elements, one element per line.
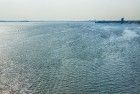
<point>90,19</point>
<point>62,20</point>
<point>122,21</point>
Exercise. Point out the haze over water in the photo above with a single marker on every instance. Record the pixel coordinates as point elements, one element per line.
<point>69,57</point>
<point>69,9</point>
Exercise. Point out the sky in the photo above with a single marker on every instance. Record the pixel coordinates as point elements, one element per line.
<point>69,9</point>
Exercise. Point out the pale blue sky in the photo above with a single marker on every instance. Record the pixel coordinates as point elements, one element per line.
<point>69,9</point>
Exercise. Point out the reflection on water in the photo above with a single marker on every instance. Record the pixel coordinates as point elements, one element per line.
<point>69,57</point>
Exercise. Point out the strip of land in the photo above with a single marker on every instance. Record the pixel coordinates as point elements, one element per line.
<point>95,21</point>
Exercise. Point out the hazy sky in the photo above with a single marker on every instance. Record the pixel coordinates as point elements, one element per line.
<point>69,9</point>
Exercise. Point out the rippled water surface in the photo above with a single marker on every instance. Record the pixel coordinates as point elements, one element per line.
<point>69,57</point>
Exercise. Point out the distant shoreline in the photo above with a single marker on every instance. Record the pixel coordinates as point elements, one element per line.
<point>138,21</point>
<point>98,21</point>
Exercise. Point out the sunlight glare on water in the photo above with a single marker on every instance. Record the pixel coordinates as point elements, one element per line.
<point>69,57</point>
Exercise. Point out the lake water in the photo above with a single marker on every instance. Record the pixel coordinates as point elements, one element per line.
<point>69,57</point>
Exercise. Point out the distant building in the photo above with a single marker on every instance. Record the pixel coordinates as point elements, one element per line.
<point>122,20</point>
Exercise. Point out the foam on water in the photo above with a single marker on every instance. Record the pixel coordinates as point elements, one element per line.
<point>128,34</point>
